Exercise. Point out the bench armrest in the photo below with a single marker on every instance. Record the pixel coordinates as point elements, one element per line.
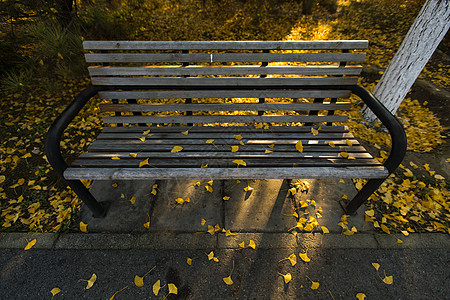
<point>53,138</point>
<point>392,124</point>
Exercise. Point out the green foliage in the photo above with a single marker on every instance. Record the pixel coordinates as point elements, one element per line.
<point>17,81</point>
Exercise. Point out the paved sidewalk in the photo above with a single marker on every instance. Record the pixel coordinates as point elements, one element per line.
<point>118,247</point>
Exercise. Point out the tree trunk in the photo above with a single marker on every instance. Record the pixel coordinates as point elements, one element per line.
<point>421,41</point>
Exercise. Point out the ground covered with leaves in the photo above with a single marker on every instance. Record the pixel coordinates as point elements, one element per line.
<point>414,199</point>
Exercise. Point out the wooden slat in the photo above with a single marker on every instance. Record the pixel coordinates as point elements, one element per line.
<point>278,82</point>
<point>221,119</point>
<point>167,145</point>
<point>226,45</point>
<point>225,173</point>
<point>226,129</point>
<point>222,57</point>
<point>222,107</point>
<point>235,155</point>
<point>234,70</point>
<point>225,136</point>
<point>224,162</point>
<point>224,94</point>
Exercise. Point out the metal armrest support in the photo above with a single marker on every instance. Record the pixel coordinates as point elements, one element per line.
<point>392,124</point>
<point>53,148</point>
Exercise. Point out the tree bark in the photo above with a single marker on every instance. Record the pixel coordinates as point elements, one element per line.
<point>420,42</point>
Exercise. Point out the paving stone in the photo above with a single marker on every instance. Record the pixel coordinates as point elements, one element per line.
<point>122,216</point>
<point>18,240</point>
<point>95,241</point>
<point>414,241</point>
<point>337,241</point>
<point>176,241</point>
<point>169,216</point>
<point>327,193</point>
<point>264,209</point>
<point>266,240</point>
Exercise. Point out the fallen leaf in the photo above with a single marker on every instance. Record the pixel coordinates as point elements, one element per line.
<point>343,154</point>
<point>55,291</point>
<point>226,198</point>
<point>228,280</point>
<point>388,279</point>
<point>189,261</point>
<point>114,185</point>
<point>314,131</point>
<point>2,178</point>
<point>156,287</point>
<point>142,139</point>
<point>112,297</point>
<point>238,136</point>
<point>139,281</point>
<point>143,163</point>
<point>271,146</point>
<point>30,244</point>
<point>268,151</point>
<point>385,228</point>
<point>234,148</point>
<point>228,233</point>
<point>360,296</point>
<point>204,166</point>
<point>172,289</point>
<point>399,241</point>
<point>240,162</point>
<point>211,230</point>
<point>176,149</point>
<point>83,227</point>
<point>133,155</point>
<point>203,222</point>
<point>146,132</point>
<point>287,277</point>
<point>185,132</point>
<point>210,141</point>
<point>248,188</point>
<point>209,188</point>
<point>331,144</point>
<point>251,244</point>
<point>304,256</point>
<point>314,285</point>
<point>133,200</point>
<point>348,142</point>
<point>299,146</point>
<point>115,157</point>
<point>324,229</point>
<point>154,187</point>
<point>242,245</point>
<point>370,213</point>
<point>91,281</point>
<point>376,266</point>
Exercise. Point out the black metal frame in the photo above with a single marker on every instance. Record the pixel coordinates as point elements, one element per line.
<point>53,150</point>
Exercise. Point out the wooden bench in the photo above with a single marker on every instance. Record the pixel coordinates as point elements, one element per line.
<point>225,110</point>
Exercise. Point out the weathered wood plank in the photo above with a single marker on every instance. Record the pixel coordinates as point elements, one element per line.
<point>224,94</point>
<point>226,129</point>
<point>235,155</point>
<point>224,162</point>
<point>190,82</point>
<point>223,107</point>
<point>225,137</point>
<point>234,70</point>
<point>222,57</point>
<point>222,119</point>
<point>225,173</point>
<point>226,45</point>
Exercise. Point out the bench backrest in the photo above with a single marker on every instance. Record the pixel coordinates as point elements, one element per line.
<point>271,81</point>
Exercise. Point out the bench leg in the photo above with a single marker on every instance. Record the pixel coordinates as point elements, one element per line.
<point>97,209</point>
<point>371,186</point>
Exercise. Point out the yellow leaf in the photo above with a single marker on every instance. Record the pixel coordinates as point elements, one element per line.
<point>83,227</point>
<point>293,259</point>
<point>114,185</point>
<point>2,178</point>
<point>115,157</point>
<point>287,277</point>
<point>408,173</point>
<point>241,143</point>
<point>405,233</point>
<point>399,241</point>
<point>133,200</point>
<point>177,149</point>
<point>112,297</point>
<point>271,146</point>
<point>376,266</point>
<point>348,232</point>
<point>385,228</point>
<point>215,259</point>
<point>238,136</point>
<point>172,288</point>
<point>388,279</point>
<point>30,244</point>
<point>439,177</point>
<point>147,224</point>
<point>209,188</point>
<point>185,132</point>
<point>240,162</point>
<point>248,188</point>
<point>242,245</point>
<point>304,256</point>
<point>133,155</point>
<point>91,281</point>
<point>360,296</point>
<point>55,291</point>
<point>154,187</point>
<point>293,190</point>
<point>216,228</point>
<point>314,131</point>
<point>331,144</point>
<point>210,141</point>
<point>314,285</point>
<point>370,213</point>
<point>179,200</point>
<point>122,196</point>
<point>20,181</point>
<point>234,148</point>
<point>268,151</point>
<point>251,244</point>
<point>211,230</point>
<point>146,132</point>
<point>143,163</point>
<point>344,154</point>
<point>348,142</point>
<point>226,198</point>
<point>189,261</point>
<point>211,255</point>
<point>142,139</point>
<point>228,280</point>
<point>156,287</point>
<point>259,125</point>
<point>139,281</point>
<point>228,233</point>
<point>203,222</point>
<point>299,146</point>
<point>324,229</point>
<point>204,166</point>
